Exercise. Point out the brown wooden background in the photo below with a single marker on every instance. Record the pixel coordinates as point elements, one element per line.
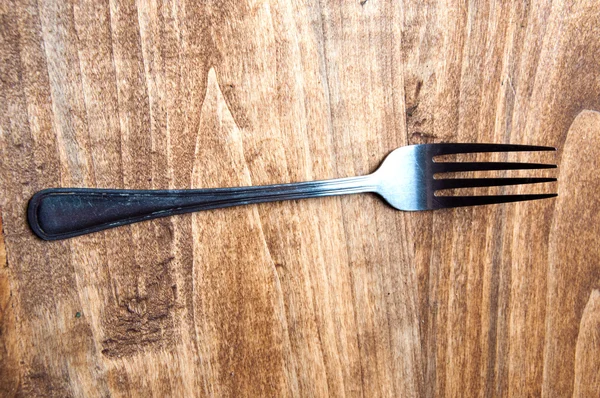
<point>337,296</point>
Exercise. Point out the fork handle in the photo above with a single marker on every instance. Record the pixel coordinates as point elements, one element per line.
<point>59,213</point>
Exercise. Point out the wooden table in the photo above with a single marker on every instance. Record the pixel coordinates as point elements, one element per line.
<point>335,296</point>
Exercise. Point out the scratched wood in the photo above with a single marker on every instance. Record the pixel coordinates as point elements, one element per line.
<point>325,297</point>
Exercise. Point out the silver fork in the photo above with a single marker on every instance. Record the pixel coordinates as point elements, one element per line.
<point>405,180</point>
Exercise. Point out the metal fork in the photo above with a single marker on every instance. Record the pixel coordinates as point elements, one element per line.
<point>405,180</point>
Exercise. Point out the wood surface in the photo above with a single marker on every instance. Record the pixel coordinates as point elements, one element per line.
<point>327,297</point>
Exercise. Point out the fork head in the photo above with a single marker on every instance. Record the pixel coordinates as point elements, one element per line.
<point>406,180</point>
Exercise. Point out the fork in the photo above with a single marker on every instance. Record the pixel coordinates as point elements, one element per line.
<point>405,179</point>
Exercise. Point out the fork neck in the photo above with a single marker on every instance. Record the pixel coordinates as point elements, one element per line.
<point>311,189</point>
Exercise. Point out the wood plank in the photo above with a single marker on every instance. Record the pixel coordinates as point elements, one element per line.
<point>327,297</point>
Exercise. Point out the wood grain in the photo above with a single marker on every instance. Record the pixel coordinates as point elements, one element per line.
<point>328,297</point>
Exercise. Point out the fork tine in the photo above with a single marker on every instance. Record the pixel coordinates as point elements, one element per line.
<point>482,166</point>
<point>448,149</point>
<point>440,202</point>
<point>452,183</point>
